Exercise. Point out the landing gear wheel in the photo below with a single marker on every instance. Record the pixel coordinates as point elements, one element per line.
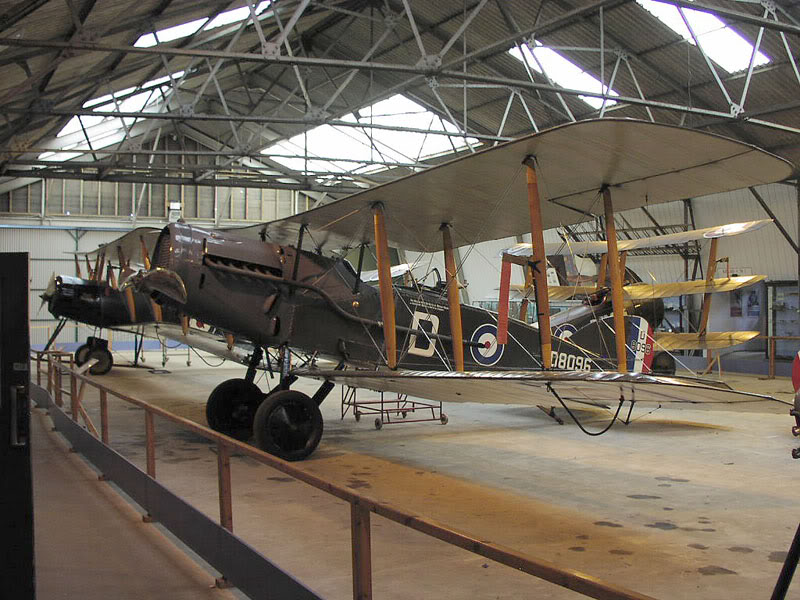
<point>288,424</point>
<point>378,424</point>
<point>231,408</point>
<point>444,419</point>
<point>104,360</point>
<point>663,364</point>
<point>82,354</point>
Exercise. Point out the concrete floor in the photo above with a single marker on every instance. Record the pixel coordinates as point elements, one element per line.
<point>681,503</point>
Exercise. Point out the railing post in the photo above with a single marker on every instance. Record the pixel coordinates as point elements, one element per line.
<point>150,443</point>
<point>772,357</point>
<point>104,416</point>
<point>224,477</point>
<point>73,390</point>
<point>50,375</point>
<point>39,369</point>
<point>362,552</point>
<point>58,383</point>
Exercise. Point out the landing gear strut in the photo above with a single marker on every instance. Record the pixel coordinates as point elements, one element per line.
<point>284,422</point>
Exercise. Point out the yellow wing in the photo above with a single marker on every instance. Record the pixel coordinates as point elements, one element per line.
<point>648,291</point>
<point>713,340</point>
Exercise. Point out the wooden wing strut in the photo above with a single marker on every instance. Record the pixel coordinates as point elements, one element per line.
<point>454,301</point>
<point>617,301</point>
<point>385,285</point>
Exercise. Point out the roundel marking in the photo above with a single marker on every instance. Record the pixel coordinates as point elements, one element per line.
<point>565,331</point>
<point>796,372</point>
<point>489,352</point>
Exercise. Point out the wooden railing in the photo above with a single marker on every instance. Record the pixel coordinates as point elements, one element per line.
<point>60,364</point>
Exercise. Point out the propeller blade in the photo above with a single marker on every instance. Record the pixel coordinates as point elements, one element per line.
<point>230,340</point>
<point>185,324</point>
<point>77,267</point>
<point>48,293</point>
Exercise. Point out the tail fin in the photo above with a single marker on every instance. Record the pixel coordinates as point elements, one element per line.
<point>639,342</point>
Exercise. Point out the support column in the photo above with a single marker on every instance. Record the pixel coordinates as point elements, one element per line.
<point>710,269</point>
<point>385,285</point>
<point>453,297</point>
<point>540,260</point>
<point>617,301</point>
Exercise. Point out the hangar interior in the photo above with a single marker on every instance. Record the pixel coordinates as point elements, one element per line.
<point>219,113</point>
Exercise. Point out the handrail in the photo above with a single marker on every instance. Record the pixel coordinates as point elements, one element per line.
<point>361,506</point>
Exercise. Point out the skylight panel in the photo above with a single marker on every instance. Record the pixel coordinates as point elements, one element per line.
<point>175,32</point>
<point>564,72</point>
<point>330,142</point>
<point>721,43</point>
<point>170,33</point>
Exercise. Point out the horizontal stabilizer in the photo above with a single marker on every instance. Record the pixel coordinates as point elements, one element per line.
<point>712,340</point>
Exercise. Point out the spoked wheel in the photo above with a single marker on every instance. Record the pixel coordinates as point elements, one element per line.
<point>82,354</point>
<point>288,424</point>
<point>104,360</point>
<point>663,364</point>
<point>231,408</point>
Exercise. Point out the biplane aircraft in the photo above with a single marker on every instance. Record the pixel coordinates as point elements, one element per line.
<point>284,284</point>
<point>98,302</point>
<point>642,299</point>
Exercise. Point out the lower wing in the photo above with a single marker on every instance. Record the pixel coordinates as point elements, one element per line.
<point>712,340</point>
<point>536,387</point>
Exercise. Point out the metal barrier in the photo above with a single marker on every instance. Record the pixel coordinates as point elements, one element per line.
<point>360,506</point>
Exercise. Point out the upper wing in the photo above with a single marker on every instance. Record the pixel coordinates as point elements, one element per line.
<point>712,340</point>
<point>532,387</point>
<point>569,248</point>
<point>130,244</point>
<point>484,195</point>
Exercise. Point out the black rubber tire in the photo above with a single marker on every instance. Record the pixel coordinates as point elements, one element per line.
<point>104,360</point>
<point>288,424</point>
<point>663,364</point>
<point>231,408</point>
<point>82,354</point>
